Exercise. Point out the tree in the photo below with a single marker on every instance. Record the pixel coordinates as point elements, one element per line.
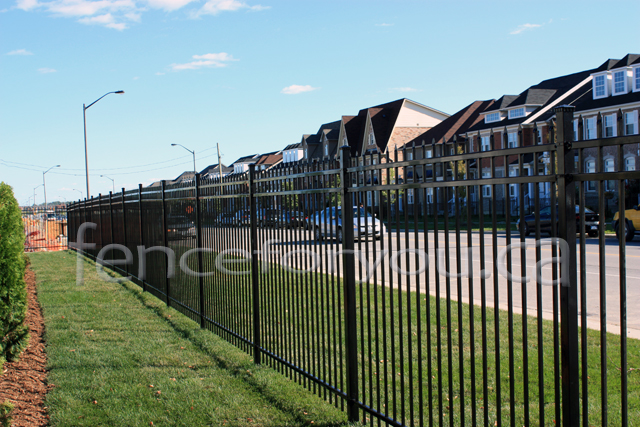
<point>13,293</point>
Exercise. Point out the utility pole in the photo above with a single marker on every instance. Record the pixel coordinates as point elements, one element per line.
<point>219,162</point>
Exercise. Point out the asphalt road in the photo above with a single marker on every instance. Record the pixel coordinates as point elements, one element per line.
<point>404,260</point>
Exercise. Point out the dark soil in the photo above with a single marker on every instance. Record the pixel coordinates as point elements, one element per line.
<point>24,382</point>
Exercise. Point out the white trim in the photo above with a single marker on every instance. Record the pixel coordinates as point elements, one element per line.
<point>614,74</point>
<point>605,85</point>
<point>557,101</point>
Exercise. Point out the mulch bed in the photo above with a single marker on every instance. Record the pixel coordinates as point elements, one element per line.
<point>24,382</point>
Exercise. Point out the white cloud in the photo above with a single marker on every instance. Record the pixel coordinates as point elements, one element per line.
<point>525,27</point>
<point>208,60</point>
<point>214,7</point>
<point>46,70</point>
<point>296,89</point>
<point>106,20</point>
<point>72,8</point>
<point>27,4</point>
<point>168,5</point>
<point>22,52</point>
<point>404,89</point>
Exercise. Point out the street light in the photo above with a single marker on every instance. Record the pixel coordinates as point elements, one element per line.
<point>45,185</point>
<point>74,189</point>
<point>192,152</point>
<point>113,182</point>
<point>84,117</point>
<point>34,193</point>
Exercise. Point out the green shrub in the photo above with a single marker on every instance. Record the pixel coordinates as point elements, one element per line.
<point>5,413</point>
<point>13,293</point>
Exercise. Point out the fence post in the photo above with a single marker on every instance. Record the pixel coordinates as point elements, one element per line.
<point>99,247</point>
<point>111,219</point>
<point>255,289</point>
<point>140,224</point>
<point>199,246</point>
<point>124,230</point>
<point>569,286</point>
<point>165,243</point>
<point>349,286</point>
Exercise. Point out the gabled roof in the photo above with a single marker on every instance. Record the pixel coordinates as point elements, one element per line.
<point>252,158</point>
<point>215,169</point>
<point>628,60</point>
<point>456,124</point>
<point>501,103</point>
<point>269,159</point>
<point>184,176</point>
<point>292,146</point>
<point>354,128</point>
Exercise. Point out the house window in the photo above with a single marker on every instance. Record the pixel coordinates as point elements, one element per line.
<point>540,141</point>
<point>512,139</point>
<point>590,128</point>
<point>610,126</point>
<point>305,154</point>
<point>371,140</point>
<point>485,143</point>
<point>636,79</point>
<point>590,167</point>
<point>344,141</point>
<point>486,189</point>
<point>599,86</point>
<point>514,188</point>
<point>492,117</point>
<point>630,164</point>
<point>608,167</point>
<point>326,149</point>
<point>429,154</point>
<point>429,195</point>
<point>518,112</point>
<point>575,130</point>
<point>631,121</point>
<point>410,196</point>
<point>470,143</point>
<point>619,82</point>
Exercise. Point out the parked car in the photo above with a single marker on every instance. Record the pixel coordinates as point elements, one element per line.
<point>180,227</point>
<point>225,219</point>
<point>631,226</point>
<point>591,221</point>
<point>268,217</point>
<point>329,224</point>
<point>243,217</point>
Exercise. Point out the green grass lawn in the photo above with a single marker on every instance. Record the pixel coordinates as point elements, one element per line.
<point>118,356</point>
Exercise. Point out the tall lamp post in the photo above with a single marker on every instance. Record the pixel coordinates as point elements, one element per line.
<point>84,117</point>
<point>45,185</point>
<point>192,152</point>
<point>34,193</point>
<point>75,189</point>
<point>113,183</point>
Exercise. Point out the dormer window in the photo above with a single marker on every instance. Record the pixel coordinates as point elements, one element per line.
<point>371,140</point>
<point>636,79</point>
<point>492,117</point>
<point>599,86</point>
<point>619,82</point>
<point>326,149</point>
<point>515,113</point>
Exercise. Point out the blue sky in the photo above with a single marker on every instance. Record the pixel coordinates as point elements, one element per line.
<point>254,76</point>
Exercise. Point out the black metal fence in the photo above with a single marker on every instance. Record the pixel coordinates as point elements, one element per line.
<point>402,316</point>
<point>45,228</point>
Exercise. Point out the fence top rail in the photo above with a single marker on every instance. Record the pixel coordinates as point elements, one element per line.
<point>308,174</point>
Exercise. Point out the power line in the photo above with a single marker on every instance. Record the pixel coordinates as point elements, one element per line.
<point>6,163</point>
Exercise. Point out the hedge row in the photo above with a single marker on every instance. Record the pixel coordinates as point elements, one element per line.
<point>13,292</point>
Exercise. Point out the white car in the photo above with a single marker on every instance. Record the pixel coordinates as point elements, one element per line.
<point>328,223</point>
